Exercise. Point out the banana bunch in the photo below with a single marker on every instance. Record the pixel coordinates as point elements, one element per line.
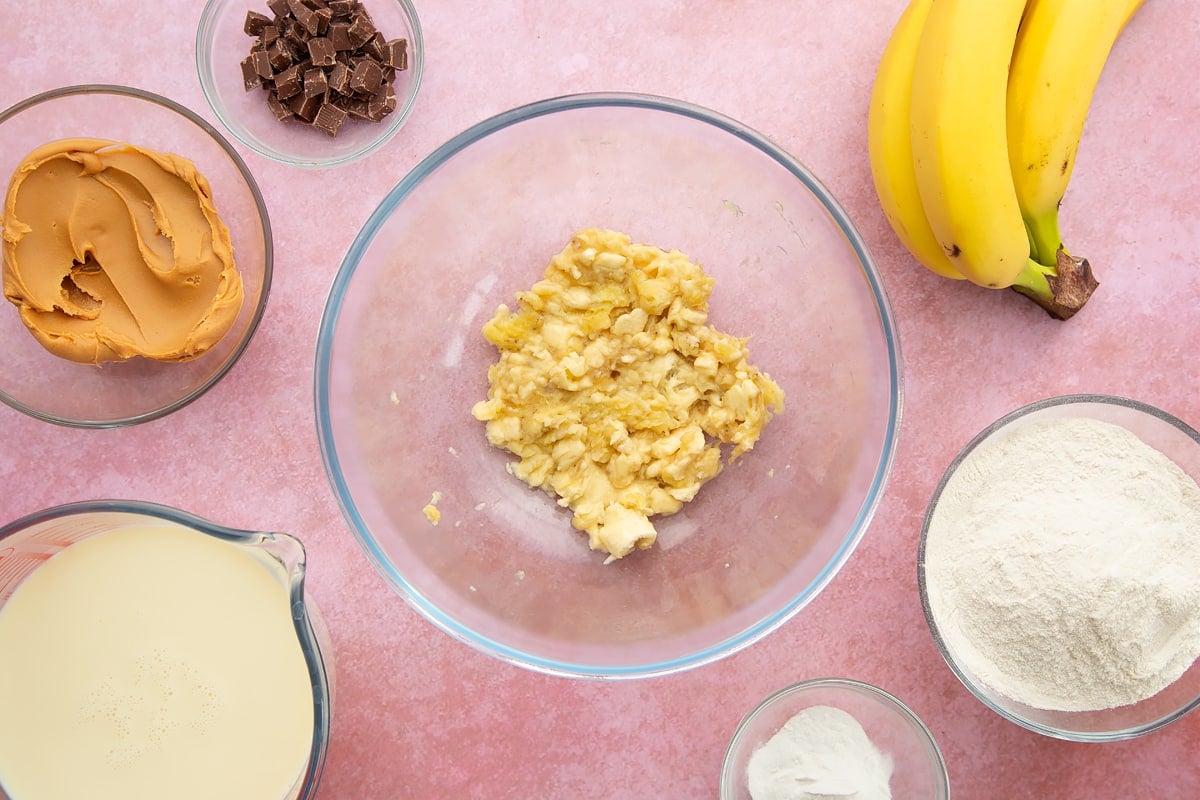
<point>975,118</point>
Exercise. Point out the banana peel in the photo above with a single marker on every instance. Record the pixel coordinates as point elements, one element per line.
<point>1060,290</point>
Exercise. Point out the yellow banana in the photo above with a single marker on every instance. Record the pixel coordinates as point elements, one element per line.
<point>959,139</point>
<point>1061,48</point>
<point>889,143</point>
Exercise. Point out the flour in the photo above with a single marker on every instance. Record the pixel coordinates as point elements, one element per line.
<point>822,753</point>
<point>1062,566</point>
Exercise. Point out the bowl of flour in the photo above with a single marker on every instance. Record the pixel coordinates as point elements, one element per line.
<point>1059,567</point>
<point>833,738</point>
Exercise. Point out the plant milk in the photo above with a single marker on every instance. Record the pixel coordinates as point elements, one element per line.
<point>148,663</point>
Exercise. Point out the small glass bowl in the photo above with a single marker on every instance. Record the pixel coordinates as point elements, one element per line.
<point>115,394</point>
<point>1170,436</point>
<point>222,43</point>
<point>918,770</point>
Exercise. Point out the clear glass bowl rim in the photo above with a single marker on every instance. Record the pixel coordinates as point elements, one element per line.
<point>972,686</point>
<point>268,252</point>
<point>378,219</point>
<point>307,636</point>
<point>842,684</point>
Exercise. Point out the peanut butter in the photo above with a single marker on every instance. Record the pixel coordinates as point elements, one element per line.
<point>113,251</point>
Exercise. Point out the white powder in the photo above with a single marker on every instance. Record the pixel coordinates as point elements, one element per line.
<point>820,753</point>
<point>1062,566</point>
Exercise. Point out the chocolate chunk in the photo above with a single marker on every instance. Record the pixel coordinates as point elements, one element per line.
<point>315,83</point>
<point>269,34</point>
<point>255,22</point>
<point>305,107</point>
<point>279,7</point>
<point>329,119</point>
<point>278,107</point>
<point>373,47</point>
<point>305,16</point>
<point>323,17</point>
<point>381,103</point>
<point>339,79</point>
<point>288,83</point>
<point>294,32</point>
<point>262,64</point>
<point>395,54</point>
<point>298,48</point>
<point>339,34</point>
<point>250,76</point>
<point>366,77</point>
<point>321,51</point>
<point>361,29</point>
<point>357,108</point>
<point>279,56</point>
<point>256,68</point>
<point>341,8</point>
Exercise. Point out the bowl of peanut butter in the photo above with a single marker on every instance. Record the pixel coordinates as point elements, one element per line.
<point>136,256</point>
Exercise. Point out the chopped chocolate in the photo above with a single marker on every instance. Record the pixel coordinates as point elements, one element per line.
<point>323,16</point>
<point>329,119</point>
<point>357,108</point>
<point>278,107</point>
<point>305,16</point>
<point>279,56</point>
<point>297,47</point>
<point>255,22</point>
<point>294,32</point>
<point>361,29</point>
<point>381,103</point>
<point>250,76</point>
<point>339,79</point>
<point>395,53</point>
<point>339,34</point>
<point>321,51</point>
<point>288,83</point>
<point>316,84</point>
<point>373,47</point>
<point>305,107</point>
<point>261,59</point>
<point>366,76</point>
<point>321,62</point>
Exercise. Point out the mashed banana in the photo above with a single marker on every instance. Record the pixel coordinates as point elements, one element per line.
<point>614,392</point>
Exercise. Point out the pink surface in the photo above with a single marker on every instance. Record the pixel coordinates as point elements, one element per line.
<point>419,715</point>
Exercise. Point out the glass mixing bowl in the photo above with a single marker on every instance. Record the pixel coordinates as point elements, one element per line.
<point>1162,431</point>
<point>401,360</point>
<point>114,394</point>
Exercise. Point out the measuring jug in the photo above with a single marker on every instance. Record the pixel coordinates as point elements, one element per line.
<point>27,544</point>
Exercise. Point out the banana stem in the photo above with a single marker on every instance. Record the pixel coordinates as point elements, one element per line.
<point>1044,238</point>
<point>1060,290</point>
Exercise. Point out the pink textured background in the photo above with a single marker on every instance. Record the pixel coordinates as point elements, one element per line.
<point>421,716</point>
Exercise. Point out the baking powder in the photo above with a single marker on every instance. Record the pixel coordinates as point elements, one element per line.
<point>822,753</point>
<point>1062,566</point>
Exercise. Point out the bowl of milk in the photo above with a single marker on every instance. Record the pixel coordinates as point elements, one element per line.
<point>151,653</point>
